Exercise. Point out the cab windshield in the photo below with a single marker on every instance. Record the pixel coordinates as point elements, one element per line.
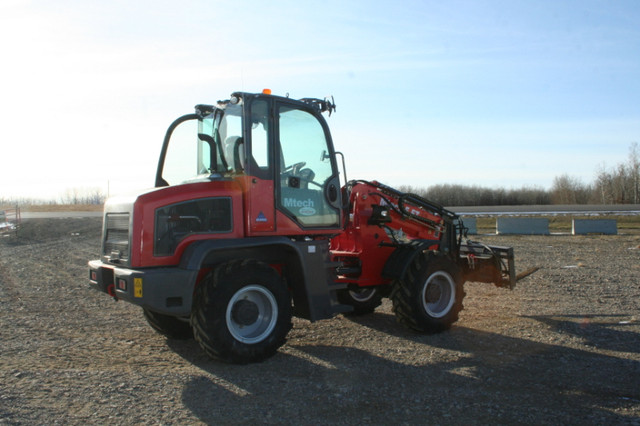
<point>204,145</point>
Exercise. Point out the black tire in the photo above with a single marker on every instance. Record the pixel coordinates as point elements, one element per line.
<point>171,327</point>
<point>428,298</point>
<point>363,299</point>
<point>241,312</point>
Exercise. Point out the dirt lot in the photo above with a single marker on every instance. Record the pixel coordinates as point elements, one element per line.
<point>562,348</point>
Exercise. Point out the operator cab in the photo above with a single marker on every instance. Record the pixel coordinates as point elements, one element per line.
<point>279,150</point>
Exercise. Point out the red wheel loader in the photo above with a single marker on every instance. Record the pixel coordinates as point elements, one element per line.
<point>249,224</point>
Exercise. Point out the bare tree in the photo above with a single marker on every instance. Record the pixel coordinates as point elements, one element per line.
<point>83,196</point>
<point>565,190</point>
<point>621,184</point>
<point>603,186</point>
<point>634,171</point>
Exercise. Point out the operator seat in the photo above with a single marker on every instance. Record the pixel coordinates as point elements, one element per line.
<point>306,176</point>
<point>240,161</point>
<point>233,148</point>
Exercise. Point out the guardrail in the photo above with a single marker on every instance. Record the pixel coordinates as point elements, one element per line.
<point>551,209</point>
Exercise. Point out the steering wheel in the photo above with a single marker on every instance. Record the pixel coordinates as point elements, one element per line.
<point>313,182</point>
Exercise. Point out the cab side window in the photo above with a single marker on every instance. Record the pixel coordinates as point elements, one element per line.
<point>259,160</point>
<point>304,168</point>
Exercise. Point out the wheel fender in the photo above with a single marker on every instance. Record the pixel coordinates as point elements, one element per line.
<point>210,252</point>
<point>398,262</point>
<point>304,266</point>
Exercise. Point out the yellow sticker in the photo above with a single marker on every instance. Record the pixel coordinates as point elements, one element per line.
<point>137,287</point>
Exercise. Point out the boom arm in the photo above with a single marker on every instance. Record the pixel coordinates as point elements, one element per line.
<point>410,223</point>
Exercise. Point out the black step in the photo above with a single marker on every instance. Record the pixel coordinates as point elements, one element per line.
<point>337,286</point>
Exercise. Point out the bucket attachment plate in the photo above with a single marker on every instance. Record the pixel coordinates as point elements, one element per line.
<point>489,264</point>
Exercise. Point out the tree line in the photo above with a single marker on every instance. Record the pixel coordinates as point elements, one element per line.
<point>463,195</point>
<point>83,196</point>
<point>74,196</point>
<point>618,185</point>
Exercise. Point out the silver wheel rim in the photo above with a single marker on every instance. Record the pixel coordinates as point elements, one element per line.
<point>363,294</point>
<point>438,294</point>
<point>252,314</point>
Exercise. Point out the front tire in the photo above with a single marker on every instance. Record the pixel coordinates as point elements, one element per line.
<point>428,298</point>
<point>241,312</point>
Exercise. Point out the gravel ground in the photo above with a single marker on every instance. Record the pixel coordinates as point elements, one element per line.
<point>562,348</point>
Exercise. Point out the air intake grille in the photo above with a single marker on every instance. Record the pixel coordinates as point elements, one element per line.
<point>116,237</point>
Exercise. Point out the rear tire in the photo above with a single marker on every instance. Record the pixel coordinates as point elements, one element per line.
<point>429,296</point>
<point>363,299</point>
<point>168,326</point>
<point>241,312</point>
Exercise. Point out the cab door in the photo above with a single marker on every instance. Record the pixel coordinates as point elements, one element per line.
<point>307,180</point>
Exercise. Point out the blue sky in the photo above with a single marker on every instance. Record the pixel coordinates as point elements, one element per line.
<point>492,93</point>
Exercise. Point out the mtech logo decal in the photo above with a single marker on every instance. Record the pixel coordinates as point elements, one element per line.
<point>306,207</point>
